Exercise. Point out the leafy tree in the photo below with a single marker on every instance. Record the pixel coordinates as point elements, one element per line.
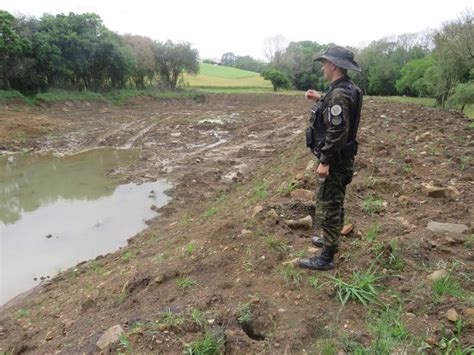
<point>143,51</point>
<point>411,82</point>
<point>463,95</point>
<point>246,62</point>
<point>454,54</point>
<point>277,78</point>
<point>12,47</point>
<point>228,59</point>
<point>297,62</point>
<point>173,59</point>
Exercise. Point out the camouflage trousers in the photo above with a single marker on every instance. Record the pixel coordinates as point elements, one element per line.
<point>330,196</point>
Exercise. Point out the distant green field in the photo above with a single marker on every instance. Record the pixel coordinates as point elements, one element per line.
<point>214,76</point>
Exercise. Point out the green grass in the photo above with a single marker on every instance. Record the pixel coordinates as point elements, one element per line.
<point>260,189</point>
<point>292,277</point>
<point>279,245</point>
<point>219,76</point>
<point>128,255</point>
<point>447,286</point>
<point>360,287</point>
<point>115,97</point>
<point>314,282</point>
<point>197,317</point>
<point>225,72</point>
<point>372,205</point>
<point>389,334</point>
<point>373,232</point>
<point>186,283</point>
<point>173,319</point>
<point>22,312</point>
<point>210,212</point>
<point>244,313</point>
<point>188,250</point>
<point>207,346</point>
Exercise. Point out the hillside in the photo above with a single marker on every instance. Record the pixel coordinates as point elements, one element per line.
<point>219,76</point>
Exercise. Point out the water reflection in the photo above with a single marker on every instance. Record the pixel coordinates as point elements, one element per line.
<point>30,181</point>
<point>56,212</point>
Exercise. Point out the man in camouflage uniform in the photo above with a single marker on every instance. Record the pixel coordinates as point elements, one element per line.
<point>332,139</point>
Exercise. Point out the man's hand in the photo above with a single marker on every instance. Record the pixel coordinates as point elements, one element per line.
<point>312,95</point>
<point>322,170</point>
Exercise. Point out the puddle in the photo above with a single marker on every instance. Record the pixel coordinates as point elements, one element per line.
<point>221,119</point>
<point>56,212</point>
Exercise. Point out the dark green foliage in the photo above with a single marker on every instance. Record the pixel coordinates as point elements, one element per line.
<point>172,59</point>
<point>277,78</point>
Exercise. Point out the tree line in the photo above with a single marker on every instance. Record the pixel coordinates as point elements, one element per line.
<point>77,52</point>
<point>437,64</point>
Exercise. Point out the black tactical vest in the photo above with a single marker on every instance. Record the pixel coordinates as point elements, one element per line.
<point>316,132</point>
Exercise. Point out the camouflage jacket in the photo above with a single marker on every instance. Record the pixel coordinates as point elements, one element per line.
<point>338,104</point>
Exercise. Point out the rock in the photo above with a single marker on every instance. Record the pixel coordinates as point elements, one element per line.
<point>427,136</point>
<point>469,313</point>
<point>431,341</point>
<point>175,134</point>
<point>347,229</point>
<point>272,214</point>
<point>452,315</point>
<point>302,223</point>
<point>10,160</point>
<point>449,192</point>
<point>301,194</point>
<point>154,208</point>
<point>291,262</point>
<point>447,227</point>
<point>246,233</point>
<point>408,160</point>
<point>110,336</point>
<point>312,250</point>
<point>160,279</point>
<point>257,210</point>
<point>437,275</point>
<point>49,236</point>
<point>311,165</point>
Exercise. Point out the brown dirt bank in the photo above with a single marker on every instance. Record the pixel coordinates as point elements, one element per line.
<point>212,258</point>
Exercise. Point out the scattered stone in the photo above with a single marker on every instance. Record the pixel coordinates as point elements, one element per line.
<point>291,262</point>
<point>110,336</point>
<point>447,227</point>
<point>154,208</point>
<point>257,210</point>
<point>302,223</point>
<point>49,336</point>
<point>49,236</point>
<point>160,279</point>
<point>431,341</point>
<point>452,315</point>
<point>347,229</point>
<point>311,165</point>
<point>469,313</point>
<point>408,160</point>
<point>437,275</point>
<point>448,192</point>
<point>424,137</point>
<point>11,160</point>
<point>246,233</point>
<point>301,194</point>
<point>175,134</point>
<point>272,214</point>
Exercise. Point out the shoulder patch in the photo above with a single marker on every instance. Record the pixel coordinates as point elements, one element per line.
<point>336,110</point>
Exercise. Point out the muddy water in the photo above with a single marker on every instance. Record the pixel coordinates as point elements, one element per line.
<point>56,212</point>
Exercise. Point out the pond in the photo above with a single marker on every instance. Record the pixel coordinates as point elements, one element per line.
<point>58,211</point>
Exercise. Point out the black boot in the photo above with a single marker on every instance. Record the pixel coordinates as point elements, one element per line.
<point>319,243</point>
<point>325,261</point>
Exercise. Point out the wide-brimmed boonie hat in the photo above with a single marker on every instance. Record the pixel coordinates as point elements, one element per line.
<point>339,56</point>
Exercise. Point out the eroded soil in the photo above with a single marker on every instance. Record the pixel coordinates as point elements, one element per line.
<point>220,245</point>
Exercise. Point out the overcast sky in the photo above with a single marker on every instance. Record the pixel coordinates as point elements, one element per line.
<point>241,26</point>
